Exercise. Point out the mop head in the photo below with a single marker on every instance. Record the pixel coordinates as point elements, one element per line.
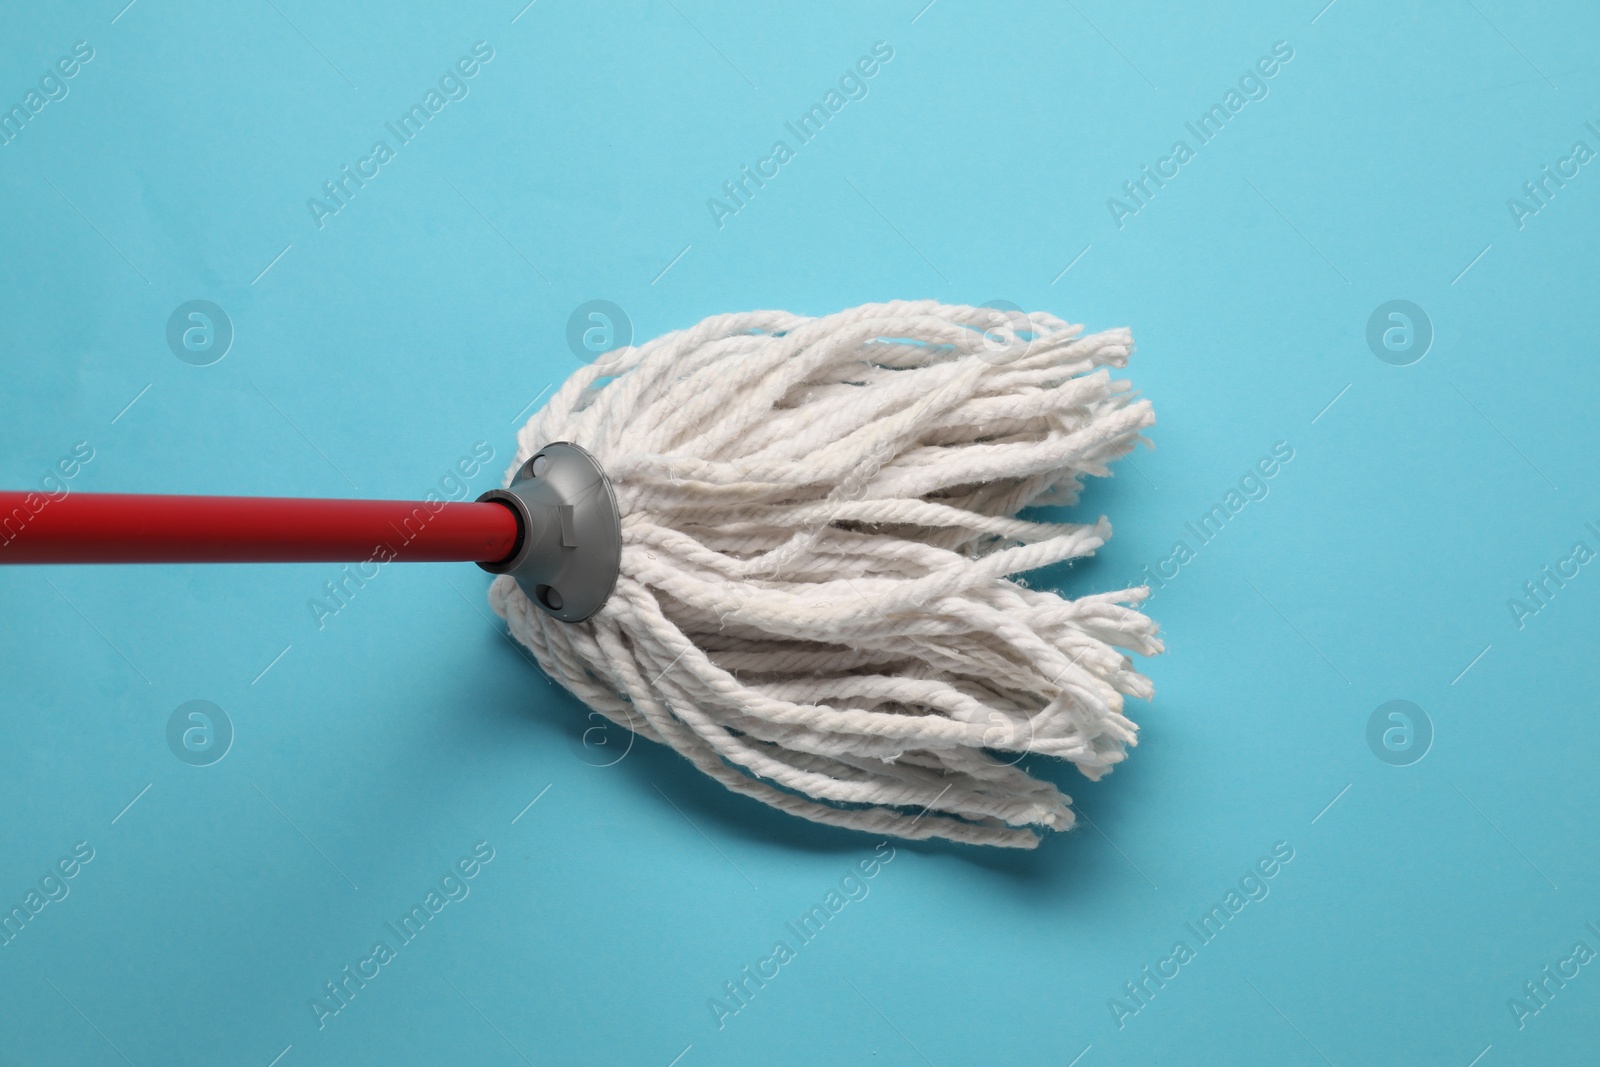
<point>816,603</point>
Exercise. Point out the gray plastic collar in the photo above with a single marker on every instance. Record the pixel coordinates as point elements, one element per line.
<point>569,550</point>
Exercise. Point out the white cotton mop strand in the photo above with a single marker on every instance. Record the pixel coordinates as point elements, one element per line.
<point>817,601</point>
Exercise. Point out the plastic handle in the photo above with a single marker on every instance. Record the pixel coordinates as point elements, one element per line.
<point>128,528</point>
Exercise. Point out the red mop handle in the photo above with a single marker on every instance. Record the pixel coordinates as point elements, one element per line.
<point>127,528</point>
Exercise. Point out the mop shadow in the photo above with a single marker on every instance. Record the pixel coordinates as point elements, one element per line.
<point>1065,865</point>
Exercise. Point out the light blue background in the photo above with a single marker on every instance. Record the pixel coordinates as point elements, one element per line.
<point>430,311</point>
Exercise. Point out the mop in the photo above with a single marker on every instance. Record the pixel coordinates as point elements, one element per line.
<point>787,548</point>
